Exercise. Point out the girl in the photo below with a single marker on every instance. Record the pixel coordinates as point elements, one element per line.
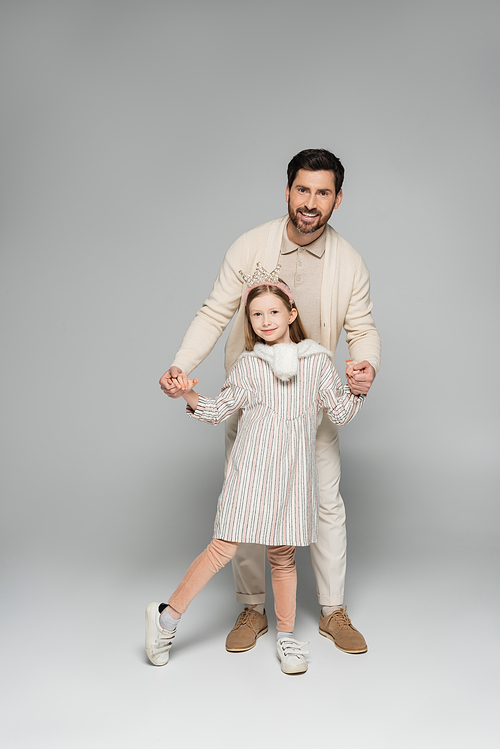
<point>281,383</point>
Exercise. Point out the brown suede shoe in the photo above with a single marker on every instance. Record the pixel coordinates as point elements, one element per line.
<point>338,627</point>
<point>249,626</point>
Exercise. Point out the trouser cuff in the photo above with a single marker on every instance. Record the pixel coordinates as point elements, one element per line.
<point>254,599</point>
<point>331,600</point>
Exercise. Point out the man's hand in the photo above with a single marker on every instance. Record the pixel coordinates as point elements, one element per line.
<point>360,376</point>
<point>170,384</point>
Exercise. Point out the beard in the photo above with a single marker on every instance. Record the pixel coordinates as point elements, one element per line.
<point>303,227</point>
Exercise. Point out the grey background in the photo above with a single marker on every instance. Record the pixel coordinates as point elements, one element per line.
<point>139,140</point>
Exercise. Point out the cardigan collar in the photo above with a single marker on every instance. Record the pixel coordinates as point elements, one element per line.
<point>283,358</point>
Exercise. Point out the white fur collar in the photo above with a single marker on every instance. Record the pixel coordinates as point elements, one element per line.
<point>283,358</point>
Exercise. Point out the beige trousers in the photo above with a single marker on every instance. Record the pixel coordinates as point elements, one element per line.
<point>328,555</point>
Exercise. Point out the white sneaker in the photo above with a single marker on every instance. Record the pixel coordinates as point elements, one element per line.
<point>158,640</point>
<point>291,656</point>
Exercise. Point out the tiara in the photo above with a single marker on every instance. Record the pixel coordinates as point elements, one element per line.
<point>262,277</point>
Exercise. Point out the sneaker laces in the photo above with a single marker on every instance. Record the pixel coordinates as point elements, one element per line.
<point>293,647</point>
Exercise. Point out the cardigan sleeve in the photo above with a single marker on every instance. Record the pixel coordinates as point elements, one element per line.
<point>339,403</point>
<point>216,312</point>
<point>361,334</point>
<point>232,398</point>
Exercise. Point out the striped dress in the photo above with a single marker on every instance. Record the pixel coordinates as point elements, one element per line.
<point>270,493</point>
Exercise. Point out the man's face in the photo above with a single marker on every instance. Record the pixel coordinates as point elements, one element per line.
<point>311,200</point>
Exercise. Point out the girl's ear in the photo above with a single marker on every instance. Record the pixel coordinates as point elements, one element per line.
<point>293,315</point>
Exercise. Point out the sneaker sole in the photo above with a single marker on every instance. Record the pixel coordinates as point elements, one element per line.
<point>244,650</point>
<point>351,652</point>
<point>300,670</point>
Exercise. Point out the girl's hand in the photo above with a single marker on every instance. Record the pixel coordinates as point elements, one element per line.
<point>349,369</point>
<point>184,384</point>
<point>187,391</point>
<point>189,385</point>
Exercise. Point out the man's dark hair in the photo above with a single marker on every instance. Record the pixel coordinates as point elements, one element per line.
<point>316,160</point>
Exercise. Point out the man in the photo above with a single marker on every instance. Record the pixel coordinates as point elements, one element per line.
<point>331,286</point>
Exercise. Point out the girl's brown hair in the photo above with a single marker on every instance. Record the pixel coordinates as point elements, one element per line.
<point>296,328</point>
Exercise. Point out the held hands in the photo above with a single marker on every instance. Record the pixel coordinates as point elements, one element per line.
<point>176,383</point>
<point>360,376</point>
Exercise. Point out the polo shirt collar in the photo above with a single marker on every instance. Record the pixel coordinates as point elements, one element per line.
<point>315,248</point>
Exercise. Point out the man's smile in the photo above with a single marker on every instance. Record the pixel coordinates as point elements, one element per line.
<point>307,216</point>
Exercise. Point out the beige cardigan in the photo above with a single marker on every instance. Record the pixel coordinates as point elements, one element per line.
<point>345,299</point>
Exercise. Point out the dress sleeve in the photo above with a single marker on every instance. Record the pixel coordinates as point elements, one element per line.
<point>339,403</point>
<point>232,398</point>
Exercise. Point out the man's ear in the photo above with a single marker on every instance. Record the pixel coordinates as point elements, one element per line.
<point>338,199</point>
<point>287,194</point>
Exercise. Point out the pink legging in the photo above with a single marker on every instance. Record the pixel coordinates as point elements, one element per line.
<point>217,554</point>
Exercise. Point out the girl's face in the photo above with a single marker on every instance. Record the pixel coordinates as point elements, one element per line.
<point>270,319</point>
